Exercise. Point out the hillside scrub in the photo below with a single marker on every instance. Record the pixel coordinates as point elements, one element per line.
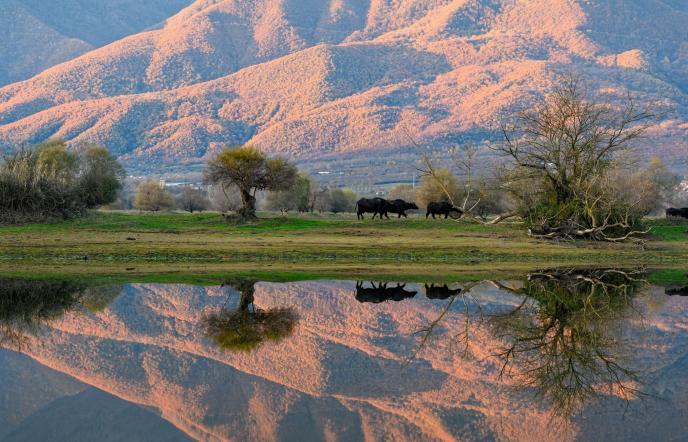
<point>51,181</point>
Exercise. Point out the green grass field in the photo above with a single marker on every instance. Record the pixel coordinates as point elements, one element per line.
<point>174,245</point>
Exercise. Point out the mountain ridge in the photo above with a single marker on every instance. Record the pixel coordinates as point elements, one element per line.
<point>230,72</point>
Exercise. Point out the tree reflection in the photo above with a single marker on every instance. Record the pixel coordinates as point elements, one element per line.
<point>247,327</point>
<point>27,305</point>
<point>98,298</point>
<point>561,339</point>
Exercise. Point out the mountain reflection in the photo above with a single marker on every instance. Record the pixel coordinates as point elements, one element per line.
<point>560,346</point>
<point>247,327</point>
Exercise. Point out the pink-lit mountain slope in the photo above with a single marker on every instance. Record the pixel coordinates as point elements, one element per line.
<point>338,76</point>
<point>38,34</point>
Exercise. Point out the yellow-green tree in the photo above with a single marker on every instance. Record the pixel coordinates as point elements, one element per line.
<point>249,170</point>
<point>152,196</point>
<point>442,186</point>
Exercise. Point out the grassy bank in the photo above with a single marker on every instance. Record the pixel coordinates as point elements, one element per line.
<point>111,243</point>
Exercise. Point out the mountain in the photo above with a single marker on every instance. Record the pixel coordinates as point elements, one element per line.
<point>335,77</point>
<point>40,34</point>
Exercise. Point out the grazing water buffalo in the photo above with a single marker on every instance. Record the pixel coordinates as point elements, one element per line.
<point>678,213</point>
<point>376,206</point>
<point>442,208</point>
<point>400,207</point>
<point>440,292</point>
<point>381,293</point>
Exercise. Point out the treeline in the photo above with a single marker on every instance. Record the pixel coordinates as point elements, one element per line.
<point>50,181</point>
<point>304,196</point>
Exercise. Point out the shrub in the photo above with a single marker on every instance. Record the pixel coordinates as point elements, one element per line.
<point>50,181</point>
<point>152,196</point>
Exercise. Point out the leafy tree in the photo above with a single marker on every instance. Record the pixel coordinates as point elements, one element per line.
<point>249,171</point>
<point>150,195</point>
<point>300,196</point>
<point>442,185</point>
<point>55,163</point>
<point>100,175</point>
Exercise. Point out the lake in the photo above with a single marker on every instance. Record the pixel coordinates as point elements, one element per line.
<point>567,354</point>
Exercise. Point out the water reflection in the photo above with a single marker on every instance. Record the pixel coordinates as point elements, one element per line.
<point>247,327</point>
<point>381,292</point>
<point>567,339</point>
<point>433,291</point>
<point>563,339</point>
<point>676,291</point>
<point>26,305</point>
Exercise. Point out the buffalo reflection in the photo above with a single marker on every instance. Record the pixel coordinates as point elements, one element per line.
<point>248,327</point>
<point>676,291</point>
<point>561,340</point>
<point>440,291</point>
<point>27,305</point>
<point>381,292</point>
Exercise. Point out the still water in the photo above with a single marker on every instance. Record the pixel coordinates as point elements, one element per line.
<point>554,355</point>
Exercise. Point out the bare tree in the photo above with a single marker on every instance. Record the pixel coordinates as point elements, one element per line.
<point>467,197</point>
<point>224,199</point>
<point>192,199</point>
<point>567,145</point>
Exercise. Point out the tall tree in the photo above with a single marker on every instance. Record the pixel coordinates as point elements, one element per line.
<point>250,171</point>
<point>565,148</point>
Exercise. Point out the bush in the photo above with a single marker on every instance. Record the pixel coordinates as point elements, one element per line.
<point>300,196</point>
<point>404,192</point>
<point>335,200</point>
<point>152,196</point>
<point>442,186</point>
<point>50,181</point>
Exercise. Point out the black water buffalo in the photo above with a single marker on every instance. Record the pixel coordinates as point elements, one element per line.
<point>376,206</point>
<point>381,293</point>
<point>442,208</point>
<point>400,207</point>
<point>676,291</point>
<point>440,292</point>
<point>678,213</point>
